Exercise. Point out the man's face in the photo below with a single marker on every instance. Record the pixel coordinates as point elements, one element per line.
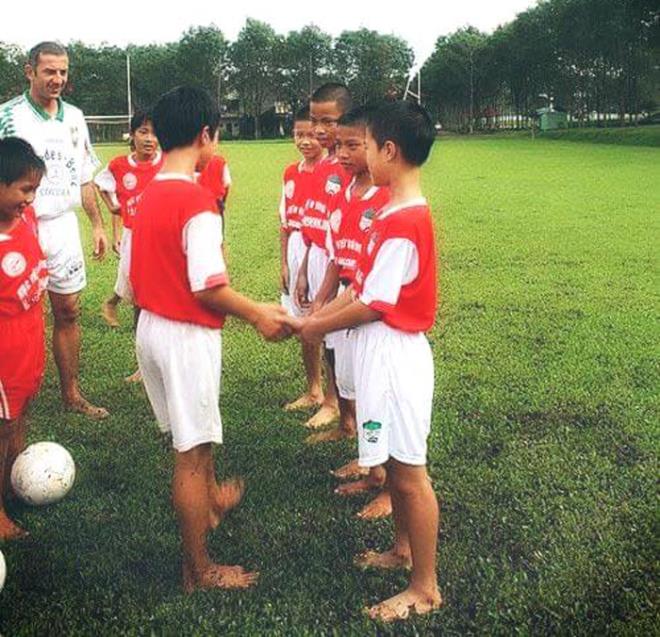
<point>48,78</point>
<point>324,116</point>
<point>145,141</point>
<point>351,150</point>
<point>305,140</point>
<point>14,197</point>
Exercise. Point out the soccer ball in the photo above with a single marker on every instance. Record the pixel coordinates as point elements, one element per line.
<point>3,571</point>
<point>43,473</point>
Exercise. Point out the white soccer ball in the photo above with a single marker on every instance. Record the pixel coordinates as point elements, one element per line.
<point>3,571</point>
<point>43,473</point>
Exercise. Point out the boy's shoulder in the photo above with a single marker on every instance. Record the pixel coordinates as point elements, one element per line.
<point>406,215</point>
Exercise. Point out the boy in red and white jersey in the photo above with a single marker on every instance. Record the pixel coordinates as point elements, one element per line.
<point>391,304</point>
<point>181,284</point>
<point>120,185</point>
<point>216,178</point>
<point>327,104</point>
<point>23,280</point>
<point>297,180</point>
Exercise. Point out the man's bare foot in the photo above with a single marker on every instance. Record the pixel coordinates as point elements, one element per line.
<point>9,530</point>
<point>333,435</point>
<point>219,576</point>
<point>353,488</point>
<point>306,401</point>
<point>323,417</point>
<point>350,470</point>
<point>389,560</point>
<point>379,507</point>
<point>135,377</point>
<point>109,314</point>
<point>227,496</point>
<point>402,605</point>
<point>84,407</point>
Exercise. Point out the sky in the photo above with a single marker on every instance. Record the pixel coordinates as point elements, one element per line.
<point>419,22</point>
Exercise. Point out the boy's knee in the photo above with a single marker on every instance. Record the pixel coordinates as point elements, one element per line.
<point>66,310</point>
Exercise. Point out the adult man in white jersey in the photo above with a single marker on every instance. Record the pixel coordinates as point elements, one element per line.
<point>59,134</point>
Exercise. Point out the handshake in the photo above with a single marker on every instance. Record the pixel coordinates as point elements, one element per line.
<point>274,324</point>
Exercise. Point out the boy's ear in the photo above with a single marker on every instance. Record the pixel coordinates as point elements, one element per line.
<point>390,150</point>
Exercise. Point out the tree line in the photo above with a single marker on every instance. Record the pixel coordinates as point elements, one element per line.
<point>584,56</point>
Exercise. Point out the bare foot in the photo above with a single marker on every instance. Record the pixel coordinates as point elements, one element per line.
<point>379,507</point>
<point>84,407</point>
<point>353,488</point>
<point>227,496</point>
<point>221,576</point>
<point>350,470</point>
<point>9,530</point>
<point>323,417</point>
<point>109,314</point>
<point>402,605</point>
<point>306,401</point>
<point>333,435</point>
<point>389,560</point>
<point>135,377</point>
<point>190,582</point>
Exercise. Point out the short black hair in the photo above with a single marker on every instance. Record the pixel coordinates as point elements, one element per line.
<point>181,114</point>
<point>18,159</point>
<point>139,118</point>
<point>334,92</point>
<point>408,125</point>
<point>358,116</point>
<point>302,115</point>
<point>44,48</point>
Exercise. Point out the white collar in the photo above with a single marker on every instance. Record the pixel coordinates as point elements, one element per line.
<point>177,176</point>
<point>154,161</point>
<point>411,203</point>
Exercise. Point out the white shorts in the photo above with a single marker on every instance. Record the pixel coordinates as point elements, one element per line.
<point>60,240</point>
<point>295,253</point>
<point>123,287</point>
<point>180,365</point>
<point>394,392</point>
<point>344,348</point>
<point>317,264</point>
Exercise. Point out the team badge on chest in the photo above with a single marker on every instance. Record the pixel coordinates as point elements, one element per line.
<point>367,219</point>
<point>129,180</point>
<point>13,264</point>
<point>333,185</point>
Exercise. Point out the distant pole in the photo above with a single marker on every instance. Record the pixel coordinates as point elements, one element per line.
<point>311,76</point>
<point>128,87</point>
<point>419,86</point>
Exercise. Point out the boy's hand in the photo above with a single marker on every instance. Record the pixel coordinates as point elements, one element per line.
<point>309,331</point>
<point>302,287</point>
<point>315,306</point>
<point>271,322</point>
<point>116,244</point>
<point>100,241</point>
<point>284,278</point>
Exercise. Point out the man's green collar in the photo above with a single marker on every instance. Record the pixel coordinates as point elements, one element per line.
<point>41,112</point>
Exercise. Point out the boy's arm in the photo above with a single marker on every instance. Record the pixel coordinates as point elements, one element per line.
<point>116,233</point>
<point>328,290</point>
<point>265,318</point>
<point>284,266</point>
<point>302,285</point>
<point>351,314</point>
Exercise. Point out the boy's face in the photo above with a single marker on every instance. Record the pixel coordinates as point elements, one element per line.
<point>17,195</point>
<point>324,116</point>
<point>351,150</point>
<point>305,140</point>
<point>377,161</point>
<point>145,141</point>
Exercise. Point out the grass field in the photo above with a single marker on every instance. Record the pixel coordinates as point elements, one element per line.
<point>545,430</point>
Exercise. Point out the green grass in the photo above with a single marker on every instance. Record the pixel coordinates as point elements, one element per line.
<point>544,445</point>
<point>624,136</point>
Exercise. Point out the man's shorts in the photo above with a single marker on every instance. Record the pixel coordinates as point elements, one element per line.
<point>22,361</point>
<point>60,240</point>
<point>180,365</point>
<point>295,253</point>
<point>394,394</point>
<point>123,287</point>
